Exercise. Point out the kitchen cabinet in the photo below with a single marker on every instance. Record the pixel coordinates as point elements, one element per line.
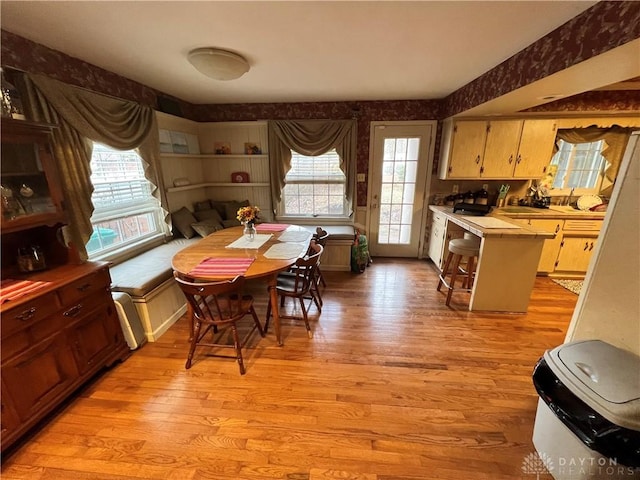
<point>579,238</point>
<point>551,246</point>
<point>442,231</point>
<point>575,253</point>
<point>496,149</point>
<point>569,253</point>
<point>54,340</point>
<point>31,192</point>
<point>535,148</point>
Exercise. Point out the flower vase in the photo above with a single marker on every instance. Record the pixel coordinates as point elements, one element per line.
<point>249,231</point>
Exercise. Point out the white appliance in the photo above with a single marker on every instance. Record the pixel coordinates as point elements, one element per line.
<point>129,320</point>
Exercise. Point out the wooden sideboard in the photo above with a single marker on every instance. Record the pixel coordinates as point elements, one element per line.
<point>54,340</point>
<point>63,327</point>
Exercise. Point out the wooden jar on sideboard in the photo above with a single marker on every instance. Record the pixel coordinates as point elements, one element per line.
<point>64,328</point>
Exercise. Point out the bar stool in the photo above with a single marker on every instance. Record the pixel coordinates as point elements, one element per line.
<point>459,248</point>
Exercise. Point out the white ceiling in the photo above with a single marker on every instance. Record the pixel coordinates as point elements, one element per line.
<point>298,50</point>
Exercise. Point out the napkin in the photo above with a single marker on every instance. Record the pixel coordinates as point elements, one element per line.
<point>271,227</point>
<point>227,267</point>
<point>11,289</point>
<point>295,236</point>
<point>286,250</point>
<point>244,242</point>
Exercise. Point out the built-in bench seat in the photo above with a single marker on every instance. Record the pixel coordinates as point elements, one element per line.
<point>337,253</point>
<point>148,279</point>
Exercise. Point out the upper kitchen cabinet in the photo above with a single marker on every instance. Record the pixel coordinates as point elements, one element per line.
<point>31,193</point>
<point>535,148</point>
<point>497,149</point>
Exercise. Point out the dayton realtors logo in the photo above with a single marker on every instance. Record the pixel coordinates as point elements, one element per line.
<point>577,467</point>
<point>536,464</point>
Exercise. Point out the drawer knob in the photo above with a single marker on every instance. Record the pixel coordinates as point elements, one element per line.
<point>73,311</point>
<point>27,314</point>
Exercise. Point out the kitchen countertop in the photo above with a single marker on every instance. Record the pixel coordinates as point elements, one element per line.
<point>554,211</point>
<point>466,222</point>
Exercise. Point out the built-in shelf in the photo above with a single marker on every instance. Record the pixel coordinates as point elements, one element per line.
<point>214,184</point>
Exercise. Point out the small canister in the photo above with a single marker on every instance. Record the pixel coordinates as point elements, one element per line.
<point>482,197</point>
<point>468,197</point>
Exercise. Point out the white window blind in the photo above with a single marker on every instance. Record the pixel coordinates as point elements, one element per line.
<point>125,211</point>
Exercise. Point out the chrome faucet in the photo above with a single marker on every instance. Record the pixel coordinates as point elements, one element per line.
<point>570,198</point>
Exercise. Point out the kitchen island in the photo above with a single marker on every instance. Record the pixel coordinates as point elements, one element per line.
<point>508,260</point>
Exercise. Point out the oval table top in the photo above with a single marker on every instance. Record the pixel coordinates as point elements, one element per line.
<point>215,246</point>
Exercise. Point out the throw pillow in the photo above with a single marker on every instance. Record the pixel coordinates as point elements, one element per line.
<point>211,214</point>
<point>219,206</point>
<point>207,227</point>
<point>231,209</point>
<point>182,220</point>
<point>204,205</point>
<point>230,223</point>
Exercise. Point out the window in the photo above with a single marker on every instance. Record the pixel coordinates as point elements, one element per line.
<point>315,186</point>
<point>125,211</point>
<point>580,167</point>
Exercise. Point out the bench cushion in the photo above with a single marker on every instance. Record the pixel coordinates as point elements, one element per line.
<point>336,232</point>
<point>142,273</point>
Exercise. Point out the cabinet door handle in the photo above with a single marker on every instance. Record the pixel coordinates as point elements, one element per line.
<point>557,228</point>
<point>519,159</point>
<point>478,159</point>
<point>510,159</point>
<point>84,287</point>
<point>73,311</point>
<point>27,314</point>
<point>591,246</point>
<point>586,245</point>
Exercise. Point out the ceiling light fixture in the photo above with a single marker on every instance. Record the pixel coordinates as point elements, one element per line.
<point>218,64</point>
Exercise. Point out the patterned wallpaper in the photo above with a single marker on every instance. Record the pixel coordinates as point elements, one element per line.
<point>28,56</point>
<point>595,31</point>
<point>596,101</point>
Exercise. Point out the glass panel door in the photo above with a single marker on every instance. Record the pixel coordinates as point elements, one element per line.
<point>398,189</point>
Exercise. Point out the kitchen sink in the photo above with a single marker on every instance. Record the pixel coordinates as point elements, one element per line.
<point>563,208</point>
<point>518,209</point>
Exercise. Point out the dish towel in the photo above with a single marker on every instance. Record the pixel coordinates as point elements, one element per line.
<point>271,227</point>
<point>223,267</point>
<point>11,289</point>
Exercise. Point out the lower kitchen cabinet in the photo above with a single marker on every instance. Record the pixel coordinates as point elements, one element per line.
<point>570,251</point>
<point>54,341</point>
<point>575,253</point>
<point>442,231</point>
<point>551,246</point>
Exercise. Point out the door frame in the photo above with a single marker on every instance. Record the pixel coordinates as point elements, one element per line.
<point>427,190</point>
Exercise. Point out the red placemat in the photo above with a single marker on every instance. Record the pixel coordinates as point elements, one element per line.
<point>11,289</point>
<point>271,227</point>
<point>224,267</point>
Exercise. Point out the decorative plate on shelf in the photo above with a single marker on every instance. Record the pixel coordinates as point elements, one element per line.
<point>587,202</point>
<point>240,177</point>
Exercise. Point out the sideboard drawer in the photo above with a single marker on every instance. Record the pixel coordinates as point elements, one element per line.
<point>25,314</point>
<point>85,286</point>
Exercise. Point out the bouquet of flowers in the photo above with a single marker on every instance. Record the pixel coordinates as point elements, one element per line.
<point>248,215</point>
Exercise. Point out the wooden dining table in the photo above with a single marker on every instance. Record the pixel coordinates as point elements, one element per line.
<point>216,245</point>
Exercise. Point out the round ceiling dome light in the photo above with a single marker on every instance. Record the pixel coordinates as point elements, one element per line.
<point>218,64</point>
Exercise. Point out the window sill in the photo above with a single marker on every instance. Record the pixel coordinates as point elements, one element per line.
<point>129,251</point>
<point>316,221</point>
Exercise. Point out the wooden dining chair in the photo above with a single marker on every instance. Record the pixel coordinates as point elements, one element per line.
<point>216,308</point>
<point>321,236</point>
<point>298,283</point>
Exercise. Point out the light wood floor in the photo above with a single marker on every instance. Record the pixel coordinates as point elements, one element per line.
<point>394,385</point>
